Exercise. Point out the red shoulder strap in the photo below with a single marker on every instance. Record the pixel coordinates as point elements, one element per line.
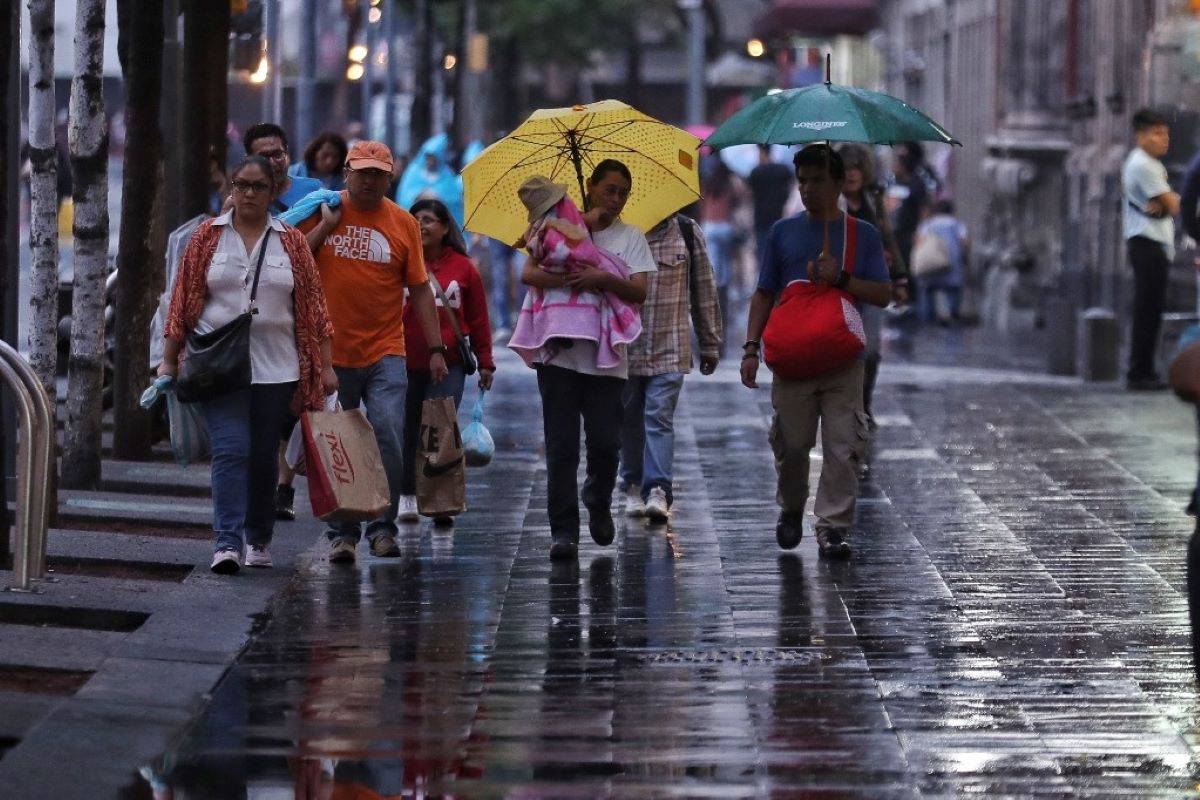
<point>851,245</point>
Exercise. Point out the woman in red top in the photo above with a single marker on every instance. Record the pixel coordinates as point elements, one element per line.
<point>446,260</point>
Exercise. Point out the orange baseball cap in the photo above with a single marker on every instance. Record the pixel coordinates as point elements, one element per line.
<point>366,154</point>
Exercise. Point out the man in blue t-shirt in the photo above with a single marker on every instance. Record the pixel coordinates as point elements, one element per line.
<point>808,247</point>
<point>268,140</point>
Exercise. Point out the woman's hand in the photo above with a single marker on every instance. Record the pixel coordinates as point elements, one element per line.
<point>485,378</point>
<point>170,368</point>
<point>588,279</point>
<point>329,381</point>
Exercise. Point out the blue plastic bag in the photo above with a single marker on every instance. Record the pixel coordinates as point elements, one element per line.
<point>478,446</point>
<point>189,434</point>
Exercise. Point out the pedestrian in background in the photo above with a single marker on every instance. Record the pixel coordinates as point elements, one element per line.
<point>324,158</point>
<point>770,187</point>
<point>795,252</point>
<point>910,193</point>
<point>683,290</point>
<point>369,252</point>
<point>268,140</point>
<point>724,194</point>
<point>1150,240</point>
<point>447,263</point>
<point>289,353</point>
<point>574,388</point>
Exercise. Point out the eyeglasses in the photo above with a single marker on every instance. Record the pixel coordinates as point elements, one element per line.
<point>248,187</point>
<point>274,155</point>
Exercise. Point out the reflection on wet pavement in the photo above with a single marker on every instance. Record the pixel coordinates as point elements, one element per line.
<point>1012,624</point>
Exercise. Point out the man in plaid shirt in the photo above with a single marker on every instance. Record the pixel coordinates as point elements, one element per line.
<point>683,289</point>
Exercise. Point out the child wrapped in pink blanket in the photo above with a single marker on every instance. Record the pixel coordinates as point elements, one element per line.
<point>559,241</point>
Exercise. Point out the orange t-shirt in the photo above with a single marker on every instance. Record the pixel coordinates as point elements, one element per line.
<point>365,265</point>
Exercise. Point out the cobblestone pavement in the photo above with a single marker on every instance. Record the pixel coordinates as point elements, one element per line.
<point>1012,622</point>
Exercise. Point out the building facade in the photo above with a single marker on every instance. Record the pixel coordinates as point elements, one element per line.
<point>1041,94</point>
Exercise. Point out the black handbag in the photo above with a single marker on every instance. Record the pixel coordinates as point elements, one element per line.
<point>218,362</point>
<point>465,354</point>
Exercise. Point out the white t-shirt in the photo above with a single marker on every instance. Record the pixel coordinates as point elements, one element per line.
<point>629,244</point>
<point>1143,178</point>
<point>273,356</point>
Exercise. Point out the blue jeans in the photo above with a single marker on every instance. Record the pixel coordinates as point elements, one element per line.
<point>648,432</point>
<point>501,258</point>
<point>382,386</point>
<point>244,427</point>
<point>419,390</point>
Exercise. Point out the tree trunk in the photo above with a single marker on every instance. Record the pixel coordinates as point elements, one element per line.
<point>139,258</point>
<point>88,140</point>
<point>10,27</point>
<point>205,96</point>
<point>421,118</point>
<point>43,197</point>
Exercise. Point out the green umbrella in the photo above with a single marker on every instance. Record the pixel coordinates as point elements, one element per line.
<point>827,112</point>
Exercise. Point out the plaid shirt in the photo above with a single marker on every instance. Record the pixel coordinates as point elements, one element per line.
<point>681,288</point>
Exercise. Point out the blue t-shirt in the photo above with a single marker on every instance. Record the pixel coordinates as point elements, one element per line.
<point>299,188</point>
<point>795,241</point>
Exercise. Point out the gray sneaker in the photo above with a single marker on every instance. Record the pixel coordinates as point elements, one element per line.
<point>384,546</point>
<point>832,543</point>
<point>341,552</point>
<point>257,556</point>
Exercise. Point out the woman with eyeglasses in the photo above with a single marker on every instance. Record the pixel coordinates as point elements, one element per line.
<point>289,353</point>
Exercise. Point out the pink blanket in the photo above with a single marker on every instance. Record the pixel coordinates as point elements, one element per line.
<point>550,314</point>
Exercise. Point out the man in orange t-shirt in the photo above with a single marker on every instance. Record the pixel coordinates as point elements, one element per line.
<point>368,251</point>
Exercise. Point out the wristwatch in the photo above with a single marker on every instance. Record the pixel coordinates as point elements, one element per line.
<point>437,348</point>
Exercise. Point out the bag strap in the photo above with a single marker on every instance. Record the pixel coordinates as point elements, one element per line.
<point>437,288</point>
<point>849,243</point>
<point>687,227</point>
<point>477,416</point>
<point>262,253</point>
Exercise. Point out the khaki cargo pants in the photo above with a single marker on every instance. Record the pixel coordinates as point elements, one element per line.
<point>836,402</point>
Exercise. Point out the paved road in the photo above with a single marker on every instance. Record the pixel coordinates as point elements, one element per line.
<point>1011,624</point>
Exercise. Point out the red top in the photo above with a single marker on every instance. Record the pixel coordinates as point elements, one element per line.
<point>464,289</point>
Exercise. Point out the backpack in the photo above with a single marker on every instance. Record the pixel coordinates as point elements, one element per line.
<point>816,328</point>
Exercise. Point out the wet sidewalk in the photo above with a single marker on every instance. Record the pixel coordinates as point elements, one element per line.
<point>1012,622</point>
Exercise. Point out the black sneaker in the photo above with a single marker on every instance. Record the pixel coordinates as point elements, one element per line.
<point>563,548</point>
<point>600,525</point>
<point>790,529</point>
<point>285,503</point>
<point>832,543</point>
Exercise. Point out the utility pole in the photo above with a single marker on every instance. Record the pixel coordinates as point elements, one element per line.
<point>391,79</point>
<point>695,88</point>
<point>172,93</point>
<point>371,40</point>
<point>305,87</point>
<point>10,176</point>
<point>272,51</point>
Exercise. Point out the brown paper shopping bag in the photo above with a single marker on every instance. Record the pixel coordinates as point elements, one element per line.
<point>346,480</point>
<point>441,469</point>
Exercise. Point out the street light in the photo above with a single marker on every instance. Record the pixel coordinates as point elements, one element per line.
<point>450,61</point>
<point>264,70</point>
<point>358,53</point>
<point>374,15</point>
<point>755,48</point>
<point>355,71</point>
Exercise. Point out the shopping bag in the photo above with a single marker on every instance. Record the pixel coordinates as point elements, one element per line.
<point>441,471</point>
<point>293,454</point>
<point>478,446</point>
<point>1184,372</point>
<point>346,480</point>
<point>189,434</point>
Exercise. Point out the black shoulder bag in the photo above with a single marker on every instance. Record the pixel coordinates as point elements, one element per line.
<point>218,362</point>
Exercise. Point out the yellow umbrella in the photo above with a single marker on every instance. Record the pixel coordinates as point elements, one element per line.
<point>565,144</point>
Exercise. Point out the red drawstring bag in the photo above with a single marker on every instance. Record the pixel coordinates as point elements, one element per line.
<point>816,329</point>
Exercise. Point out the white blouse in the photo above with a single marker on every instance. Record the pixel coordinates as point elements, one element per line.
<point>273,355</point>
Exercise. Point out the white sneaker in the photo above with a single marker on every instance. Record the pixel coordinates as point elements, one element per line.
<point>656,505</point>
<point>407,509</point>
<point>258,557</point>
<point>634,505</point>
<point>341,552</point>
<point>226,561</point>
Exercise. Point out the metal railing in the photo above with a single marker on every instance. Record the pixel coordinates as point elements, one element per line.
<point>35,454</point>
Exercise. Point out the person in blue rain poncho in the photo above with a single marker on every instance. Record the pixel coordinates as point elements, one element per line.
<point>429,175</point>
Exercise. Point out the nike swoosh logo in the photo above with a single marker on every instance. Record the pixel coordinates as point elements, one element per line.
<point>435,472</point>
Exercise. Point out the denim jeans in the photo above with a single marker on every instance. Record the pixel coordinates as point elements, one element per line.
<point>648,432</point>
<point>382,386</point>
<point>244,427</point>
<point>567,396</point>
<point>420,390</point>
<point>501,258</point>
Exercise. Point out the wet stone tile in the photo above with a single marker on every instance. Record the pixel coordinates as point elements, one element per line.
<point>1012,623</point>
